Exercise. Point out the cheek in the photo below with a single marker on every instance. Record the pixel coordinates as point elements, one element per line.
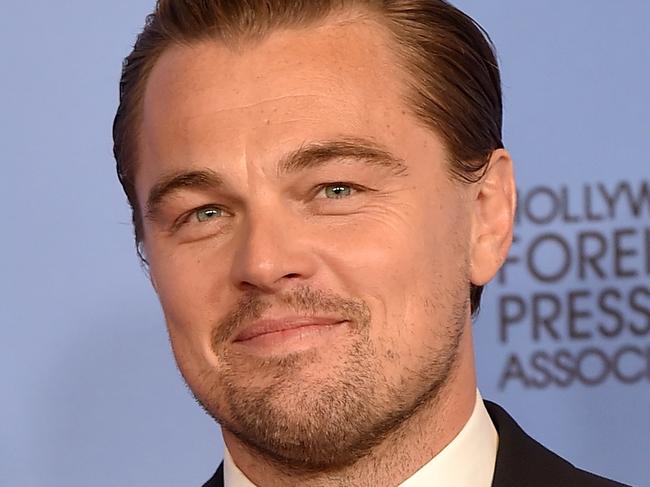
<point>188,287</point>
<point>185,284</point>
<point>405,247</point>
<point>408,266</point>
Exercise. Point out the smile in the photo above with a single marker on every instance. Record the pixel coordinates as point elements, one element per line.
<point>289,335</point>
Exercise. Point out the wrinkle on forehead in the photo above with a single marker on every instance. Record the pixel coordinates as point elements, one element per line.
<point>271,106</point>
<point>267,101</point>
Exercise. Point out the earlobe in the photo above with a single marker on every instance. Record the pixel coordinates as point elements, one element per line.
<point>493,218</point>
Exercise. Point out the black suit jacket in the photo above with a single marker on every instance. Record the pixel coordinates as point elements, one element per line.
<point>521,461</point>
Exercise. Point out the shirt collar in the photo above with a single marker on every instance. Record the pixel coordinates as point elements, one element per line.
<point>232,476</point>
<point>468,461</point>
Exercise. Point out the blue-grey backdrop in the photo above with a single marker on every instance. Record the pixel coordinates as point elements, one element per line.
<point>89,390</point>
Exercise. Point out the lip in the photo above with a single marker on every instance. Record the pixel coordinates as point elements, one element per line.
<point>269,326</point>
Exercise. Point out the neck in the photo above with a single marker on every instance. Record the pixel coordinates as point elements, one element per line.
<point>400,455</point>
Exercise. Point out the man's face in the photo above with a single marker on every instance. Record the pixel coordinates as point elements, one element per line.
<point>309,250</point>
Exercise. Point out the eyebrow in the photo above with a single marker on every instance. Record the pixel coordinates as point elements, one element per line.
<point>308,156</point>
<point>318,153</point>
<point>198,179</point>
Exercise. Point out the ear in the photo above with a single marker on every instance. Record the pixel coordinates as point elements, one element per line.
<point>494,203</point>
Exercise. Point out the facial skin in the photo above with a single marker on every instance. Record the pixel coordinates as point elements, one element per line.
<point>307,195</point>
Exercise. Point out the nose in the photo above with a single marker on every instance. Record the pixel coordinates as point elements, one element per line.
<point>273,251</point>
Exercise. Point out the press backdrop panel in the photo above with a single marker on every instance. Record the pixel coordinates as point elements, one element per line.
<point>89,389</point>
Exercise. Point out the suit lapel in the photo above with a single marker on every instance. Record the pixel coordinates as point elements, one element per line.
<point>217,478</point>
<point>522,461</point>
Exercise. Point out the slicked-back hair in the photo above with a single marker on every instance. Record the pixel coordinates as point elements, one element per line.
<point>453,78</point>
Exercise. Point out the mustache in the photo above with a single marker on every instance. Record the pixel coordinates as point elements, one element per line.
<point>302,300</point>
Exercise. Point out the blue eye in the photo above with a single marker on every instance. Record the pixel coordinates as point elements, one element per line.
<point>338,191</point>
<point>205,214</point>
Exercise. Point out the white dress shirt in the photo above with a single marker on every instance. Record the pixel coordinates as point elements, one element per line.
<point>468,461</point>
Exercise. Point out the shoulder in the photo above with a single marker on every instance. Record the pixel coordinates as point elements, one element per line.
<point>523,462</point>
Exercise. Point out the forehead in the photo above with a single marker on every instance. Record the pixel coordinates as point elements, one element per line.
<point>350,63</point>
<point>268,97</point>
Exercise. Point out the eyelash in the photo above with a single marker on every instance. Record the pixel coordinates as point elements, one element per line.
<point>354,187</point>
<point>185,218</point>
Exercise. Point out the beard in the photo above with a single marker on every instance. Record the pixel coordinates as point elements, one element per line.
<point>302,422</point>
